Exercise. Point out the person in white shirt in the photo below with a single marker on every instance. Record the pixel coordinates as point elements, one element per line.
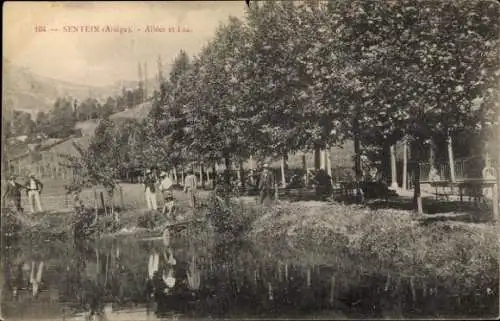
<point>166,189</point>
<point>34,188</point>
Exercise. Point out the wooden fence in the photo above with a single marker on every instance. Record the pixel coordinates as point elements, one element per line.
<point>465,168</point>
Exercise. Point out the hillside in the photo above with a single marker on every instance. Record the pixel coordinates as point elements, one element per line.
<point>25,91</point>
<point>139,112</point>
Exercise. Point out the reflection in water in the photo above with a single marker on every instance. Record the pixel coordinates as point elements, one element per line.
<point>192,275</point>
<point>35,279</point>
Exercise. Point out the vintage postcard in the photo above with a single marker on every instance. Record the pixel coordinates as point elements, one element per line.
<point>250,160</point>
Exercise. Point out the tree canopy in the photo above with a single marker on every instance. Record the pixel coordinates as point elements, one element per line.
<point>300,76</point>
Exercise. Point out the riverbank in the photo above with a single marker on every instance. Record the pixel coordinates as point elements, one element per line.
<point>415,265</point>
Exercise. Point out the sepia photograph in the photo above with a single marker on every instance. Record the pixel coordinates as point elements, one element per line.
<point>250,160</point>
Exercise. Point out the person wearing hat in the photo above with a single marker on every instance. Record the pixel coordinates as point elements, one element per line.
<point>150,190</point>
<point>266,183</point>
<point>190,185</point>
<point>13,193</point>
<point>34,189</point>
<point>166,189</point>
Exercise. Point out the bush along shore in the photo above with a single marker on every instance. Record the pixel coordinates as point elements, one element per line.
<point>347,258</point>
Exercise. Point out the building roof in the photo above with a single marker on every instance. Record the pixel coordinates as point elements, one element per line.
<point>57,146</point>
<point>67,148</point>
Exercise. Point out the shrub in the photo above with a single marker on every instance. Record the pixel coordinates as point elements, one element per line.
<point>230,219</point>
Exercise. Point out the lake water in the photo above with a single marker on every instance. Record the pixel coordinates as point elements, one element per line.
<point>193,274</point>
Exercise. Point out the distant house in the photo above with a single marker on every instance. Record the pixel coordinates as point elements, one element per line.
<point>44,159</point>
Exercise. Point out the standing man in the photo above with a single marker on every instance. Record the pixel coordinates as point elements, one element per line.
<point>34,189</point>
<point>190,187</point>
<point>13,193</point>
<point>150,190</point>
<point>266,183</point>
<point>166,189</point>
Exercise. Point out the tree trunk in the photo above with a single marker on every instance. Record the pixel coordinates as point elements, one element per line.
<point>103,204</point>
<point>417,197</point>
<point>357,157</point>
<point>214,174</point>
<point>450,158</point>
<point>394,173</point>
<point>242,174</point>
<point>207,174</point>
<point>496,190</point>
<point>175,175</point>
<point>317,158</point>
<point>405,164</point>
<point>323,160</point>
<point>95,197</point>
<point>201,175</point>
<point>227,174</point>
<point>111,194</point>
<point>329,162</point>
<point>432,153</point>
<point>283,165</point>
<point>304,167</point>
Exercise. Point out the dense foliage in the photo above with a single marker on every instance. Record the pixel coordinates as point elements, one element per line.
<point>295,77</point>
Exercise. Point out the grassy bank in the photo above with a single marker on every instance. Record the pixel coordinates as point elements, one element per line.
<point>387,257</point>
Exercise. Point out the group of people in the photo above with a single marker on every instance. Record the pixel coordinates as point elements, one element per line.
<point>165,186</point>
<point>33,188</point>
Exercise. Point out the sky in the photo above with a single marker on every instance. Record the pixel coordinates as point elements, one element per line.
<point>101,58</point>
